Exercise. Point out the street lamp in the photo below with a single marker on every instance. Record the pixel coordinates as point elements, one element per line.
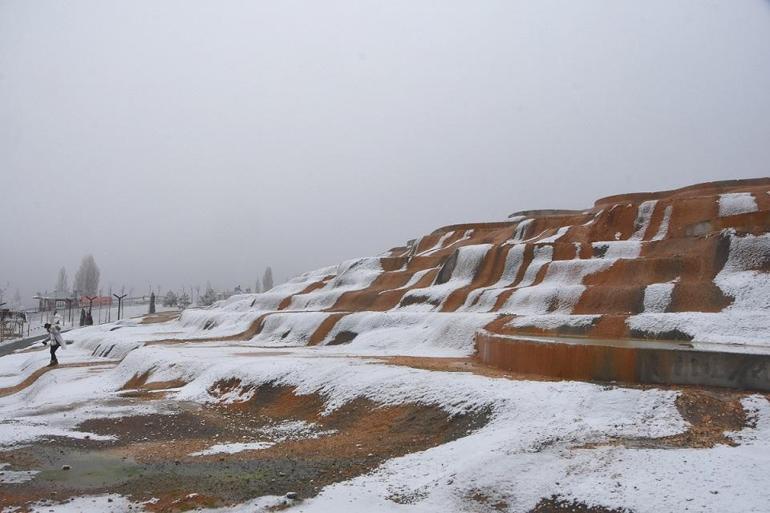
<point>120,303</point>
<point>90,307</point>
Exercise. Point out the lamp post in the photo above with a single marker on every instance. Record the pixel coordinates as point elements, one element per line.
<point>2,325</point>
<point>90,318</point>
<point>120,303</point>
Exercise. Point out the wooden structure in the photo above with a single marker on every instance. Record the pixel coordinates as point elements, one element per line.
<point>65,305</point>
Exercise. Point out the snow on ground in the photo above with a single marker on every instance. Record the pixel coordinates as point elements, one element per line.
<point>293,429</point>
<point>100,315</point>
<point>233,448</point>
<point>411,333</point>
<point>530,448</point>
<point>15,476</point>
<point>287,430</point>
<point>103,503</point>
<point>542,438</point>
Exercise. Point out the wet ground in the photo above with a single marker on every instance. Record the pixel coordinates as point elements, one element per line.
<point>152,457</point>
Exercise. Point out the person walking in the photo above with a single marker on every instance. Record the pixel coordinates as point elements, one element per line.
<point>54,337</point>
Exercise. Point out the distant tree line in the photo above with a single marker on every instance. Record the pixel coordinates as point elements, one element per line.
<point>86,280</point>
<point>86,283</point>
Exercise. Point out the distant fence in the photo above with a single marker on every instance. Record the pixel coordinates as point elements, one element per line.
<point>34,319</point>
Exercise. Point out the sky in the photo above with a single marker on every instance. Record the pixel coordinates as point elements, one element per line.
<point>189,141</point>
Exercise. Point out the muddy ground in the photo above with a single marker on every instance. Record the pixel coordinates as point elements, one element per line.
<point>151,458</point>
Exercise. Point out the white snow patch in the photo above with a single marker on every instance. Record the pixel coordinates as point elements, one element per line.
<point>615,249</point>
<point>111,503</point>
<point>553,321</point>
<point>469,259</point>
<point>643,216</point>
<point>416,277</point>
<point>556,236</point>
<point>736,203</point>
<point>521,231</point>
<point>663,228</point>
<point>411,333</point>
<point>15,476</point>
<point>233,448</point>
<point>744,276</point>
<point>351,275</point>
<point>439,244</point>
<point>560,289</point>
<point>293,430</point>
<point>657,296</point>
<point>289,328</point>
<point>744,279</point>
<point>483,299</point>
<point>541,256</point>
<point>593,220</point>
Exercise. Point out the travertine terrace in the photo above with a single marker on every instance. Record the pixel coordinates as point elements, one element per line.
<point>687,264</point>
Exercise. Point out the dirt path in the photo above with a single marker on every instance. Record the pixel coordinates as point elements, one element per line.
<point>160,317</point>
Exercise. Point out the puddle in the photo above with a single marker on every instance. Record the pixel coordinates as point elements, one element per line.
<point>88,470</point>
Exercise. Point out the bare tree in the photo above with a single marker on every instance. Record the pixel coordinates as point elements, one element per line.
<point>209,297</point>
<point>62,284</point>
<point>184,300</point>
<point>267,279</point>
<point>87,277</point>
<point>170,299</point>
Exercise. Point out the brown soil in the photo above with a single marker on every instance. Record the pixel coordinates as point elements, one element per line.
<point>486,500</point>
<point>319,335</point>
<point>151,457</point>
<point>160,317</point>
<point>711,413</point>
<point>137,387</point>
<point>556,504</point>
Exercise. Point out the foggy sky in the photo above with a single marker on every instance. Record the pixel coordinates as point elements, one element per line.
<point>186,141</point>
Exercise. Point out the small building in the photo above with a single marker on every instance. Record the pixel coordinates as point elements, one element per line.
<point>50,303</point>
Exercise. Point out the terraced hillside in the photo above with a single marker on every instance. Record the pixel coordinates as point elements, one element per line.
<point>350,388</point>
<point>686,264</point>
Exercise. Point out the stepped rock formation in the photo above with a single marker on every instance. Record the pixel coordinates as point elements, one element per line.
<point>688,264</point>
